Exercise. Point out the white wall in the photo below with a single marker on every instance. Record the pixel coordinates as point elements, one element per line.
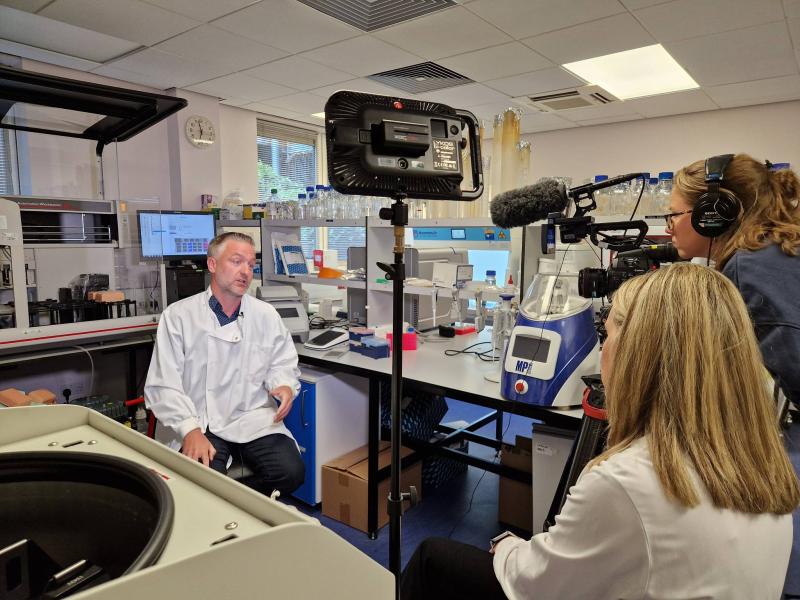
<point>666,144</point>
<point>194,171</point>
<point>239,152</point>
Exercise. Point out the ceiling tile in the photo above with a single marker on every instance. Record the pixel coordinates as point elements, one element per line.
<point>794,31</point>
<point>303,103</point>
<point>286,24</point>
<point>49,34</point>
<point>525,18</point>
<point>241,86</point>
<point>606,36</point>
<point>746,54</point>
<point>167,69</point>
<point>444,33</point>
<point>791,8</point>
<point>298,73</point>
<point>684,19</point>
<point>364,55</point>
<point>604,111</point>
<point>776,89</point>
<point>202,11</point>
<point>537,82</point>
<point>159,81</point>
<point>498,61</point>
<point>672,104</point>
<point>606,120</point>
<point>635,4</point>
<point>209,44</point>
<point>235,101</point>
<point>53,58</point>
<point>539,121</point>
<point>466,95</point>
<point>27,5</point>
<point>367,86</point>
<point>126,19</point>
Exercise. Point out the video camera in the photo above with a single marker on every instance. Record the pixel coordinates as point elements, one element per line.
<point>596,283</point>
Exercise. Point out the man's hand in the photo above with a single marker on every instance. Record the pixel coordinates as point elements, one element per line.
<point>197,447</point>
<point>286,397</point>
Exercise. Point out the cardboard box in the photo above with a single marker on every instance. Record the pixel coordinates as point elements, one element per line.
<point>344,486</point>
<point>515,499</point>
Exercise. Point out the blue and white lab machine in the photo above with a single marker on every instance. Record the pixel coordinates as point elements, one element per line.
<point>552,345</point>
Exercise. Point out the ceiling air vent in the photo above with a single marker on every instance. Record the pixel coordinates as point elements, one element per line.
<point>589,95</point>
<point>420,78</point>
<point>369,15</point>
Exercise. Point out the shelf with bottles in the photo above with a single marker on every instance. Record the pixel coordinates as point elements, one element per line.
<point>407,289</point>
<point>312,278</point>
<point>652,193</point>
<point>238,223</point>
<point>314,222</point>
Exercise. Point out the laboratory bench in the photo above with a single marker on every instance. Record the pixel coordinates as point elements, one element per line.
<point>460,377</point>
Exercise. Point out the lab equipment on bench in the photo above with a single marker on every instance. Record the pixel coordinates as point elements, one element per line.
<point>287,301</point>
<point>505,315</point>
<point>327,339</point>
<point>553,344</point>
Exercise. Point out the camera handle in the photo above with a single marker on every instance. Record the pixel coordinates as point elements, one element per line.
<point>618,243</point>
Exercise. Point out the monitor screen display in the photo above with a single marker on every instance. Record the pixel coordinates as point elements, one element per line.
<point>175,234</point>
<point>458,234</point>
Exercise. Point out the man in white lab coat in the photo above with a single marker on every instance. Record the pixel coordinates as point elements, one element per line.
<point>221,360</point>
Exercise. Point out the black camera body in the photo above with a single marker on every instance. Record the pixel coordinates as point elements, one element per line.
<point>596,283</point>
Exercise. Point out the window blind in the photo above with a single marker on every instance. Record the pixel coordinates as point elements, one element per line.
<point>341,238</point>
<point>287,162</point>
<point>6,179</point>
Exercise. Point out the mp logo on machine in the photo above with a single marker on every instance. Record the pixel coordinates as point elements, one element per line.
<point>522,366</point>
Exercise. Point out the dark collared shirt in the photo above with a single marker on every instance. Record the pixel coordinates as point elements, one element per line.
<point>223,319</point>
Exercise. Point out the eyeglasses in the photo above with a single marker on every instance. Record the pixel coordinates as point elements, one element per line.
<point>669,217</point>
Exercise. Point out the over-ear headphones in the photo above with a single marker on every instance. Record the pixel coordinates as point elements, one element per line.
<point>716,210</point>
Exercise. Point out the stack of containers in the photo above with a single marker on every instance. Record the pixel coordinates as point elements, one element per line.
<point>601,197</point>
<point>662,193</point>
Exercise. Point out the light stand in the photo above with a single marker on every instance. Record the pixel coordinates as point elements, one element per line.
<point>398,216</point>
<point>400,148</point>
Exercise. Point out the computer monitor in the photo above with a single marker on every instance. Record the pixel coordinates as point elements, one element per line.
<point>175,234</point>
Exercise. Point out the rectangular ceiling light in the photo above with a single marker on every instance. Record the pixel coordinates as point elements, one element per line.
<point>635,73</point>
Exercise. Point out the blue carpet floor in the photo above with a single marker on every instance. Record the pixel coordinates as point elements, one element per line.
<point>465,508</point>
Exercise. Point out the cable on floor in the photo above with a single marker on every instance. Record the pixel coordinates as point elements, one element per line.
<point>475,489</point>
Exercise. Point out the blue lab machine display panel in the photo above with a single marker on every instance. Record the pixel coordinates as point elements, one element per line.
<point>466,234</point>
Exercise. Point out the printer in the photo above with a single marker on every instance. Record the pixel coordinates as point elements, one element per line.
<point>288,302</point>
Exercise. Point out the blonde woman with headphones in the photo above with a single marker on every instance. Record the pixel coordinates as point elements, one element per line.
<point>746,218</point>
<point>694,495</point>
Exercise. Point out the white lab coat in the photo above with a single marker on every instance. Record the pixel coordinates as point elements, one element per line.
<point>620,536</point>
<point>218,377</point>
